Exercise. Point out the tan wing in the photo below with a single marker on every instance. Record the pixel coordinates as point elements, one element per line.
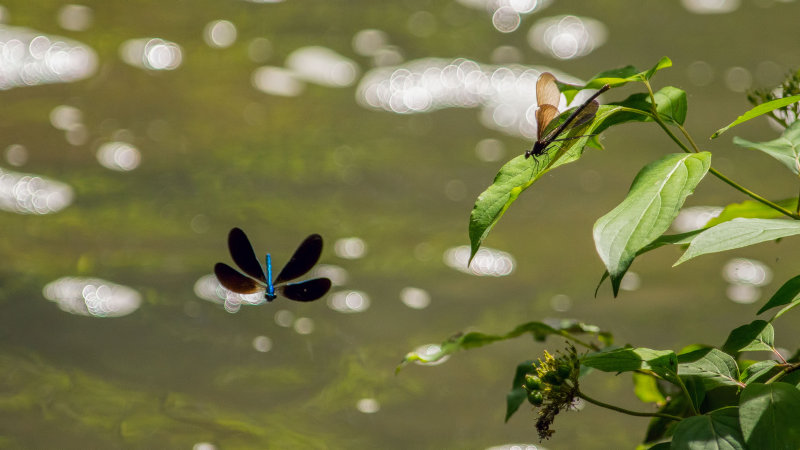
<point>547,92</point>
<point>586,114</point>
<point>544,115</point>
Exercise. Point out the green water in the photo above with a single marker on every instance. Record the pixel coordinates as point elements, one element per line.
<point>215,153</point>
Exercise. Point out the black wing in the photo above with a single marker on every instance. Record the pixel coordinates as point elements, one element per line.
<point>304,258</point>
<point>236,282</point>
<point>306,291</point>
<point>243,254</point>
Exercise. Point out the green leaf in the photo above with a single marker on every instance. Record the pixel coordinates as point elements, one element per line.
<point>738,233</point>
<point>757,335</point>
<point>615,77</point>
<point>768,416</point>
<point>758,370</point>
<point>662,362</point>
<point>787,294</point>
<point>718,430</point>
<point>713,367</point>
<point>518,394</point>
<point>646,389</point>
<point>653,202</point>
<point>757,111</point>
<point>539,330</point>
<point>751,209</point>
<point>785,149</point>
<point>671,105</point>
<point>520,173</point>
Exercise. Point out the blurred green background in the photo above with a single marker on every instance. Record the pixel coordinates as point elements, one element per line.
<point>143,154</point>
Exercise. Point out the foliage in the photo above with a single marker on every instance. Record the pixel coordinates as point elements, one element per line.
<point>707,397</point>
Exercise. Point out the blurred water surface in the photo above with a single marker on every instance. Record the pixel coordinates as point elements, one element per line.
<point>134,135</point>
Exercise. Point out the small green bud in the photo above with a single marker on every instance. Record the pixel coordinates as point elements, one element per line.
<point>535,398</point>
<point>532,382</point>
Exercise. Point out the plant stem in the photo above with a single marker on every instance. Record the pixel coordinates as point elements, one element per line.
<point>788,368</point>
<point>686,393</point>
<point>626,411</point>
<point>753,195</point>
<point>797,210</point>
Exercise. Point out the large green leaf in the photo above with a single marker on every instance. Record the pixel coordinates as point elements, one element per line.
<point>653,202</point>
<point>713,367</point>
<point>751,209</point>
<point>518,394</point>
<point>615,77</point>
<point>768,416</point>
<point>757,111</point>
<point>718,430</point>
<point>539,330</point>
<point>757,335</point>
<point>785,149</point>
<point>788,294</point>
<point>520,173</point>
<point>738,233</point>
<point>662,362</point>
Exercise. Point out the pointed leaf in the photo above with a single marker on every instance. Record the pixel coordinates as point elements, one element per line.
<point>713,367</point>
<point>616,77</point>
<point>785,149</point>
<point>539,330</point>
<point>757,111</point>
<point>751,209</point>
<point>738,233</point>
<point>787,294</point>
<point>653,202</point>
<point>518,394</point>
<point>718,430</point>
<point>768,416</point>
<point>757,335</point>
<point>662,362</point>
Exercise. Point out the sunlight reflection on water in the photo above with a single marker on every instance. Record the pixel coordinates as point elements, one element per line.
<point>220,34</point>
<point>710,6</point>
<point>30,194</point>
<point>151,54</point>
<point>92,297</point>
<point>507,95</point>
<point>349,301</point>
<point>506,14</point>
<point>567,37</point>
<point>487,262</point>
<point>415,298</point>
<point>119,156</point>
<point>745,276</point>
<point>29,58</point>
<point>208,288</point>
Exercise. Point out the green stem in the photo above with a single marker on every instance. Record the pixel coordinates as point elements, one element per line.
<point>686,393</point>
<point>753,195</point>
<point>627,411</point>
<point>788,368</point>
<point>797,210</point>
